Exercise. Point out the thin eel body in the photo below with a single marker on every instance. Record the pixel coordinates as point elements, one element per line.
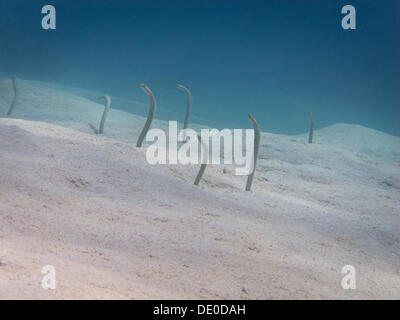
<point>149,116</point>
<point>311,132</point>
<point>105,112</point>
<point>204,162</point>
<point>188,104</point>
<point>14,101</point>
<point>256,148</point>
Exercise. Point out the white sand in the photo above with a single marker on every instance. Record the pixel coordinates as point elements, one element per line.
<point>116,227</point>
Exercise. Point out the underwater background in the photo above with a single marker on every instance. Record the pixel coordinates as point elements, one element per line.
<point>275,59</point>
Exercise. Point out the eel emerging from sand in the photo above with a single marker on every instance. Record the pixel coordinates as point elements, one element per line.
<point>256,147</point>
<point>188,102</point>
<point>14,101</point>
<point>105,112</point>
<point>149,116</point>
<point>311,132</point>
<point>204,162</point>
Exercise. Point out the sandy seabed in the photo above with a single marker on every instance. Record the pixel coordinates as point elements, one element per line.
<point>116,227</point>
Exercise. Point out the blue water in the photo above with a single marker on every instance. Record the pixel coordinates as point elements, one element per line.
<point>275,59</point>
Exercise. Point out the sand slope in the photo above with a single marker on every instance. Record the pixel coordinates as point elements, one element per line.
<point>116,227</point>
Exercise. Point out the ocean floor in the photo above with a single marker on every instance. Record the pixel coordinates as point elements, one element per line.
<point>116,227</point>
